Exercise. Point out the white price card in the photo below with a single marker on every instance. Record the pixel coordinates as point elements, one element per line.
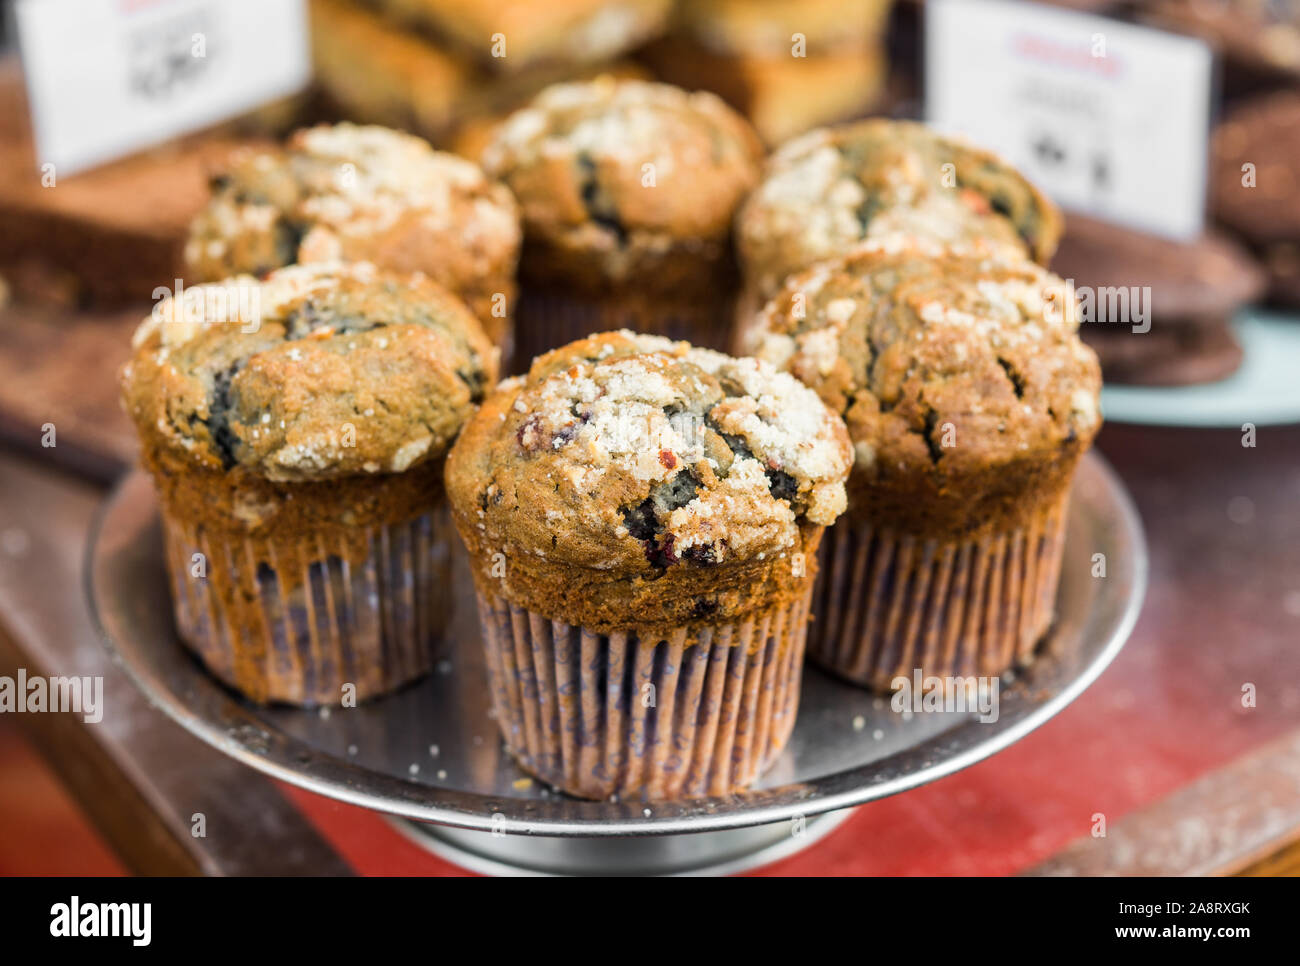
<point>108,77</point>
<point>1108,118</point>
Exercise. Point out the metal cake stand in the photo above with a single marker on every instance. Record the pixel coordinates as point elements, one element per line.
<point>430,758</point>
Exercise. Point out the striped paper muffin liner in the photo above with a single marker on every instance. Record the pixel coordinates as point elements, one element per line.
<point>887,603</point>
<point>547,319</point>
<point>295,620</point>
<point>703,711</point>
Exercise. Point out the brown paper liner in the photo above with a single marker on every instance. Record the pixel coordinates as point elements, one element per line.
<point>888,603</point>
<point>572,703</point>
<point>548,319</point>
<point>293,620</point>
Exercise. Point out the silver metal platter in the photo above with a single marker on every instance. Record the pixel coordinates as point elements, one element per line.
<point>430,753</point>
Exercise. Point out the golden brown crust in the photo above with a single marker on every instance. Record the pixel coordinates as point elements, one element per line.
<point>965,387</point>
<point>345,192</point>
<point>558,31</point>
<point>319,372</point>
<point>782,96</point>
<point>374,71</point>
<point>756,27</point>
<point>834,187</point>
<point>625,182</point>
<point>337,513</point>
<point>626,478</point>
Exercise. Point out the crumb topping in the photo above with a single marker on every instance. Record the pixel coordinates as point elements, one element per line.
<point>939,361</point>
<point>319,371</point>
<point>358,193</point>
<point>834,187</point>
<point>648,453</point>
<point>609,164</point>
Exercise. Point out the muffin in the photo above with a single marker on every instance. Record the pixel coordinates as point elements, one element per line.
<point>627,190</point>
<point>642,518</point>
<point>296,430</point>
<point>834,187</point>
<point>352,193</point>
<point>510,35</point>
<point>969,399</point>
<point>1262,202</point>
<point>1190,291</point>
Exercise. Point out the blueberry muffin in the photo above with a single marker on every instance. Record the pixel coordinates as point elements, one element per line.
<point>832,188</point>
<point>969,399</point>
<point>1190,292</point>
<point>642,518</point>
<point>627,190</point>
<point>1255,185</point>
<point>351,193</point>
<point>296,430</point>
<point>512,35</point>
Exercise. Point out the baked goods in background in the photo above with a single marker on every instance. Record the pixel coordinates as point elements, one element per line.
<point>788,66</point>
<point>1256,34</point>
<point>1189,292</point>
<point>508,36</point>
<point>373,70</point>
<point>1255,184</point>
<point>105,237</point>
<point>781,95</point>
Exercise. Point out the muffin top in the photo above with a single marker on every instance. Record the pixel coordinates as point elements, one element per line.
<point>632,454</point>
<point>943,365</point>
<point>345,192</point>
<point>617,174</point>
<point>1265,133</point>
<point>320,371</point>
<point>832,187</point>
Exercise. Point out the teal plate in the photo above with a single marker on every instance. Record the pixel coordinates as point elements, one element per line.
<point>1264,391</point>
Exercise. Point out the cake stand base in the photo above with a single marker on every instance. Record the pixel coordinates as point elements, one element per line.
<point>721,852</point>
